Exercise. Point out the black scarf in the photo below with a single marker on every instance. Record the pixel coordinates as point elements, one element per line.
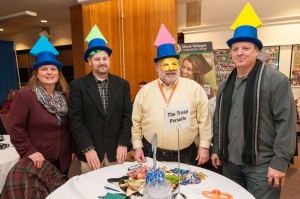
<point>249,114</point>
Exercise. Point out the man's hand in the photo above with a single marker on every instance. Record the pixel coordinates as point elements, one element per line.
<point>121,154</point>
<point>275,178</point>
<point>74,158</point>
<point>215,160</point>
<point>202,156</point>
<point>92,159</point>
<point>139,155</point>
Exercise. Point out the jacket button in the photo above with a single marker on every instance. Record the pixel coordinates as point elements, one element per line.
<point>105,124</point>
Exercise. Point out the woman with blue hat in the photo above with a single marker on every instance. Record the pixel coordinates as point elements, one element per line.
<point>39,126</point>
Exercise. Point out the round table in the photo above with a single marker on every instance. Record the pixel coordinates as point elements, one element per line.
<point>8,158</point>
<point>91,185</point>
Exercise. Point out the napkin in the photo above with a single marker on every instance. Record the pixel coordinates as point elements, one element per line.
<point>113,196</point>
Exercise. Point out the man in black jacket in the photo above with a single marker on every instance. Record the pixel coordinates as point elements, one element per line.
<point>100,110</point>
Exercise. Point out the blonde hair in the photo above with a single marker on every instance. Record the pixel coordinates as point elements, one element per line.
<point>60,85</point>
<point>10,94</point>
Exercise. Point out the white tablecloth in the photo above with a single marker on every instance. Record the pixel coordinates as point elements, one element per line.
<point>8,158</point>
<point>91,185</point>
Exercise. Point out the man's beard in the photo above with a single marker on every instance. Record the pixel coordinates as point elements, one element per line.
<point>168,79</point>
<point>103,73</point>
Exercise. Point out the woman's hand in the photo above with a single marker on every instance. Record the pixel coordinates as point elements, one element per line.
<point>38,159</point>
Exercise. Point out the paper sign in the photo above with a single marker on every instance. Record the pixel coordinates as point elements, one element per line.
<point>177,117</point>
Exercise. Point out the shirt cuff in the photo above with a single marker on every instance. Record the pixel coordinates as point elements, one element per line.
<point>137,144</point>
<point>88,149</point>
<point>204,144</point>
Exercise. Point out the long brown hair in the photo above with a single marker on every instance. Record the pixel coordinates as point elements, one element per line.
<point>60,85</point>
<point>200,67</point>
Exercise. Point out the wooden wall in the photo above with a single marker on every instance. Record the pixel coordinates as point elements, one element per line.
<point>142,20</point>
<point>77,41</point>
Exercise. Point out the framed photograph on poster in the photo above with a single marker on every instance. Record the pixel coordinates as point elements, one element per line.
<point>199,57</point>
<point>270,56</point>
<point>222,57</point>
<point>223,64</point>
<point>295,66</point>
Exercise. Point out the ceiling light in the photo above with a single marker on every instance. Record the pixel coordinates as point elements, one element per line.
<point>1,29</point>
<point>44,21</point>
<point>17,15</point>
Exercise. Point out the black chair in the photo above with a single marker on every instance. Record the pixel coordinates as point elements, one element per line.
<point>4,115</point>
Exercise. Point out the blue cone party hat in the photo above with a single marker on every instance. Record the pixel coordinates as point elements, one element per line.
<point>245,27</point>
<point>96,42</point>
<point>45,54</point>
<point>165,44</point>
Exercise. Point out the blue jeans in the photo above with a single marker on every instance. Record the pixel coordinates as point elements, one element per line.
<point>252,178</point>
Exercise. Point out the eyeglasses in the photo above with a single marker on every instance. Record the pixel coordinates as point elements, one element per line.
<point>135,167</point>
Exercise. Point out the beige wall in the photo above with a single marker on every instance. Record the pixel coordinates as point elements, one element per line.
<point>60,35</point>
<point>281,26</point>
<point>225,11</point>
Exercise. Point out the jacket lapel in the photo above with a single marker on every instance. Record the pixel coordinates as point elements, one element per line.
<point>93,92</point>
<point>114,90</point>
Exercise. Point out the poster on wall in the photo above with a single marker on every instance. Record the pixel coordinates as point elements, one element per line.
<point>295,65</point>
<point>197,63</point>
<point>270,56</point>
<point>223,64</point>
<point>222,57</point>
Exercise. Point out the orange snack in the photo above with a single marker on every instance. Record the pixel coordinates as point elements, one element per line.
<point>217,194</point>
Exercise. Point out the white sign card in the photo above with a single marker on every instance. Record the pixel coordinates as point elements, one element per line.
<point>177,117</point>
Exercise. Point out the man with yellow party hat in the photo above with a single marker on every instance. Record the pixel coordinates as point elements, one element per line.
<point>255,121</point>
<point>100,109</point>
<point>167,91</point>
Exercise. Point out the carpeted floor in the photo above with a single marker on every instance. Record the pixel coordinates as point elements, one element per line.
<point>291,190</point>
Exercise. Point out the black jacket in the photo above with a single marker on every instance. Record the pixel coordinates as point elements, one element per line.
<point>89,124</point>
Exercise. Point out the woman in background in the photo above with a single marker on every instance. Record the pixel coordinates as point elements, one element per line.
<point>7,103</point>
<point>39,126</point>
<point>194,67</point>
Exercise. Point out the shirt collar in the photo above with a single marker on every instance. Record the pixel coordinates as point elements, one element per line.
<point>99,81</point>
<point>164,85</point>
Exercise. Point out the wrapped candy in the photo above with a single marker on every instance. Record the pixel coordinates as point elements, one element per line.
<point>155,176</point>
<point>187,176</point>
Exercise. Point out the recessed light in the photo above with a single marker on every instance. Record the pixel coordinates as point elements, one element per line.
<point>1,29</point>
<point>44,21</point>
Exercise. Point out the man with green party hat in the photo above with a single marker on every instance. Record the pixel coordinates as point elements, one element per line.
<point>100,109</point>
<point>170,90</point>
<point>254,131</point>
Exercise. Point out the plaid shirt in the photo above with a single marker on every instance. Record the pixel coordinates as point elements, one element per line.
<point>25,181</point>
<point>103,90</point>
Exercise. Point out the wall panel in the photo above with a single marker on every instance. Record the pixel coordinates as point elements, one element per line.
<point>142,20</point>
<point>77,40</point>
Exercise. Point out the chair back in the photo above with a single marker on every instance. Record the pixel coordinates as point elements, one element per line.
<point>4,115</point>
